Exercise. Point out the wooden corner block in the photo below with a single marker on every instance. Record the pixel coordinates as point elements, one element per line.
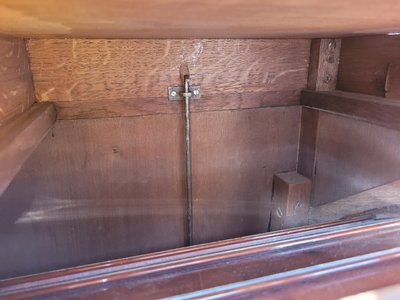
<point>324,64</point>
<point>290,201</point>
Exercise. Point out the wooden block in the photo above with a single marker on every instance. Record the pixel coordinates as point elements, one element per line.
<point>324,63</point>
<point>19,138</point>
<point>392,85</point>
<point>290,201</point>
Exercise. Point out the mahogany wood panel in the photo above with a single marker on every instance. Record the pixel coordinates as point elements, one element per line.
<point>16,89</point>
<point>324,63</point>
<point>382,201</point>
<point>285,258</point>
<point>234,157</point>
<point>130,77</point>
<point>290,201</point>
<point>364,63</point>
<point>353,156</point>
<point>206,18</point>
<point>19,138</point>
<point>95,190</point>
<point>392,86</point>
<point>372,109</point>
<point>308,140</point>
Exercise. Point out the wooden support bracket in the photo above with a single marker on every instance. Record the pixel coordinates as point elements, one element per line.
<point>291,200</point>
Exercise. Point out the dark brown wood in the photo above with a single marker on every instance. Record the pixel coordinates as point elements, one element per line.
<point>291,200</point>
<point>308,140</point>
<point>16,86</point>
<point>364,63</point>
<point>20,137</point>
<point>211,19</point>
<point>329,254</point>
<point>234,157</point>
<point>372,109</point>
<point>130,77</point>
<point>382,202</point>
<point>353,156</point>
<point>392,86</point>
<point>95,190</point>
<point>324,63</point>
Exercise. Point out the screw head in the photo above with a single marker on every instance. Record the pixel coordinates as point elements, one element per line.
<point>173,93</point>
<point>279,212</point>
<point>196,92</point>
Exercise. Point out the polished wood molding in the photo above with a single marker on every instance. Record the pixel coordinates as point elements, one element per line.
<point>20,136</point>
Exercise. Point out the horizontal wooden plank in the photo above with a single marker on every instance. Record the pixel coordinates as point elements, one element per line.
<point>364,63</point>
<point>152,106</point>
<point>20,137</point>
<point>16,88</point>
<point>112,75</point>
<point>382,201</point>
<point>199,19</point>
<point>377,110</point>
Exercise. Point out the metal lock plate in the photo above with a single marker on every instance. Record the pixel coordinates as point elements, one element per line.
<point>175,93</point>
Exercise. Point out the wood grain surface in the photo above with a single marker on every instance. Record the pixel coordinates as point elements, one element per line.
<point>196,19</point>
<point>364,63</point>
<point>130,77</point>
<point>16,88</point>
<point>353,156</point>
<point>95,190</point>
<point>234,157</point>
<point>20,137</point>
<point>382,202</point>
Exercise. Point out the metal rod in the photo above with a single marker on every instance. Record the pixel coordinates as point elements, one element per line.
<point>187,95</point>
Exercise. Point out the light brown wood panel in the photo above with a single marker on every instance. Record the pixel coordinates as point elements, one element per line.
<point>364,63</point>
<point>206,18</point>
<point>113,74</point>
<point>353,156</point>
<point>95,190</point>
<point>20,137</point>
<point>234,157</point>
<point>16,89</point>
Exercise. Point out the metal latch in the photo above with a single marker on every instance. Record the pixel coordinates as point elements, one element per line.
<point>175,93</point>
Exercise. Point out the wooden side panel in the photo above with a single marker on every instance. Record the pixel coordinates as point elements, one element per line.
<point>130,77</point>
<point>353,156</point>
<point>95,190</point>
<point>235,155</point>
<point>364,63</point>
<point>19,138</point>
<point>16,89</point>
<point>291,200</point>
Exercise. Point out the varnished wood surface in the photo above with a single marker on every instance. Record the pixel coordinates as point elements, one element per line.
<point>392,87</point>
<point>19,138</point>
<point>95,190</point>
<point>196,19</point>
<point>290,201</point>
<point>364,63</point>
<point>372,109</point>
<point>130,77</point>
<point>234,157</point>
<point>108,188</point>
<point>324,63</point>
<point>329,254</point>
<point>382,201</point>
<point>353,156</point>
<point>16,88</point>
